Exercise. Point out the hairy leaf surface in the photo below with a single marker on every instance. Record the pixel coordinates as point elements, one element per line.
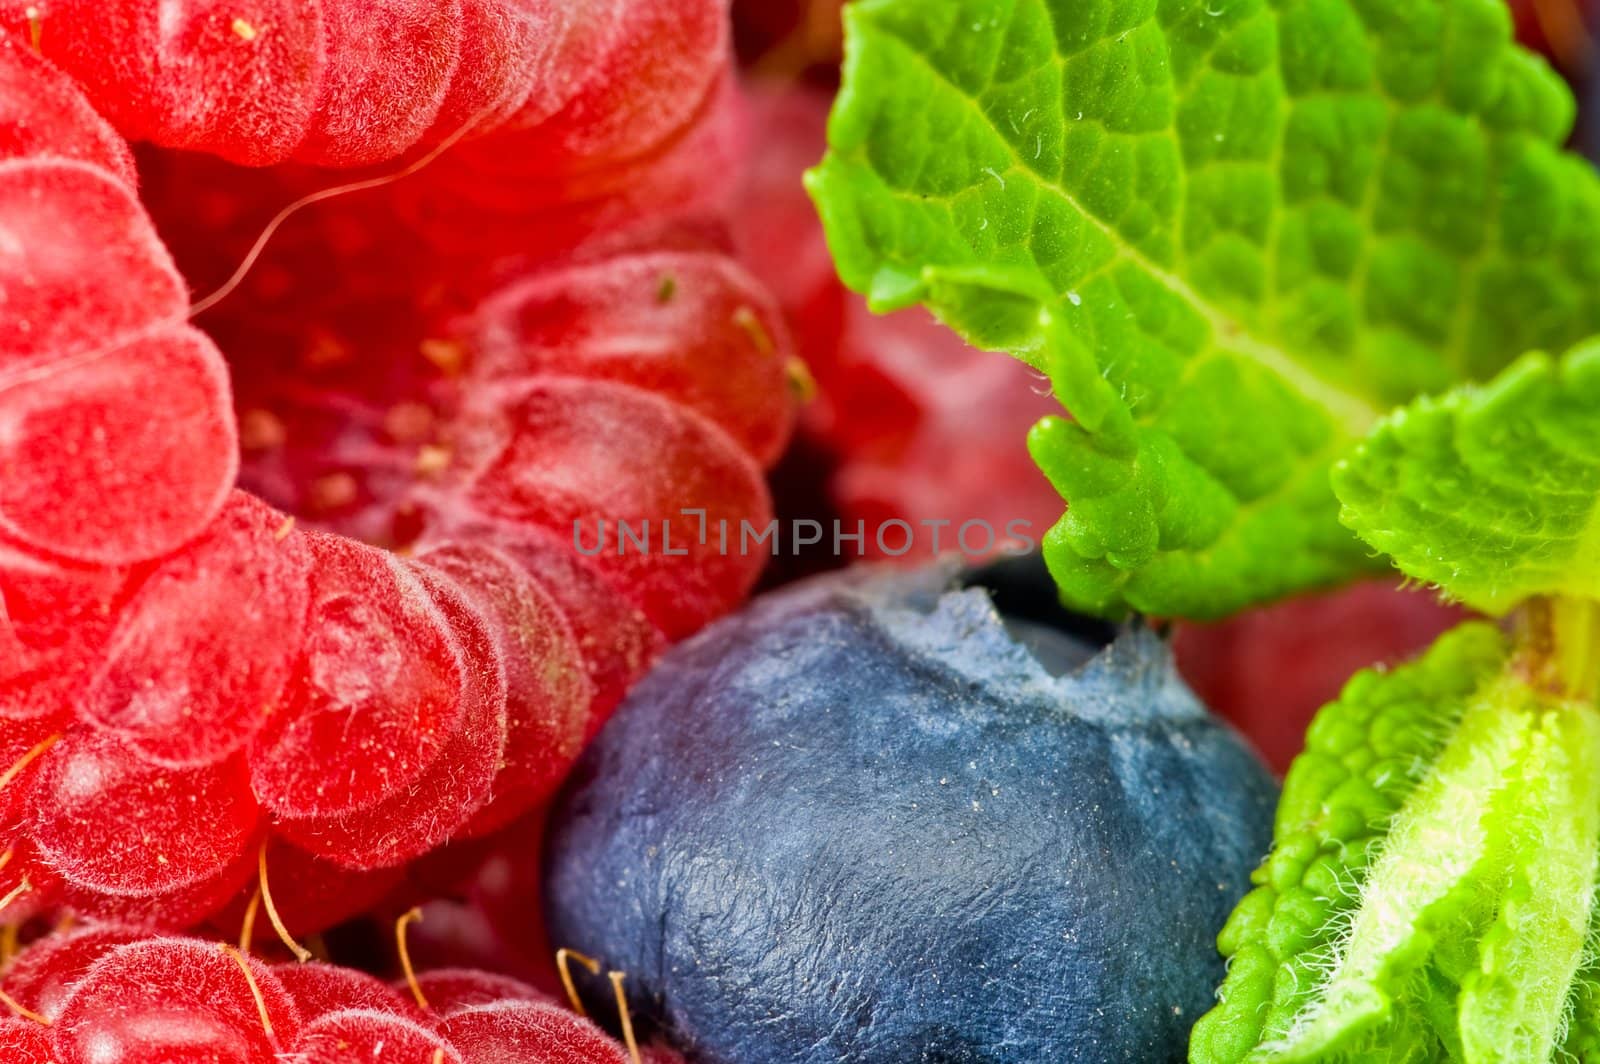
<point>1430,894</point>
<point>1492,493</point>
<point>1365,755</point>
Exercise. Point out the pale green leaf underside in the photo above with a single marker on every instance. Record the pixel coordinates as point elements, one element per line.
<point>1234,233</point>
<point>1365,755</point>
<point>1472,923</point>
<point>1492,492</point>
<point>1430,895</point>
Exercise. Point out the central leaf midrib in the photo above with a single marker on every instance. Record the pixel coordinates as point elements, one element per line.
<point>1355,414</point>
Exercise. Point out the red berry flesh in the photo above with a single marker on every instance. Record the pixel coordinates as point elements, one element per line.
<point>104,995</point>
<point>663,60</point>
<point>55,620</point>
<point>203,651</point>
<point>167,906</point>
<point>515,1032</point>
<point>189,681</point>
<point>43,112</point>
<point>453,990</point>
<point>692,327</point>
<point>359,1036</point>
<point>1269,670</point>
<point>564,455</point>
<point>139,482</point>
<point>414,820</point>
<point>41,976</point>
<point>319,989</point>
<point>108,822</point>
<point>381,692</point>
<point>81,267</point>
<point>617,641</point>
<point>25,1042</point>
<point>23,745</point>
<point>549,695</point>
<point>310,894</point>
<point>371,108</point>
<point>236,78</point>
<point>509,53</point>
<point>176,1001</point>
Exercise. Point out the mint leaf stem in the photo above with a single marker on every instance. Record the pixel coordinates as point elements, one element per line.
<point>1558,642</point>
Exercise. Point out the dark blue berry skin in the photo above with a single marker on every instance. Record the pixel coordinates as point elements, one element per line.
<point>861,823</point>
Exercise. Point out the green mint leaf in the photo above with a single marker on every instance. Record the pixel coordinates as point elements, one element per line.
<point>1583,1026</point>
<point>1232,232</point>
<point>1365,755</point>
<point>1443,915</point>
<point>1493,492</point>
<point>1514,1001</point>
<point>1467,870</point>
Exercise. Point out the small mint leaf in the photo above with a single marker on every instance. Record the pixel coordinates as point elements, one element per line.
<point>1492,492</point>
<point>1366,754</point>
<point>1431,891</point>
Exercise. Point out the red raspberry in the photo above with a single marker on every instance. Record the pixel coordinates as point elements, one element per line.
<point>105,992</point>
<point>189,680</point>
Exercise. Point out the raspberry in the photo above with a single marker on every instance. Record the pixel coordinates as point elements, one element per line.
<point>527,446</point>
<point>24,1042</point>
<point>107,822</point>
<point>32,888</point>
<point>203,651</point>
<point>482,918</point>
<point>199,698</point>
<point>959,453</point>
<point>468,209</point>
<point>370,108</point>
<point>617,641</point>
<point>775,225</point>
<point>444,796</point>
<point>513,1032</point>
<point>171,907</point>
<point>41,977</point>
<point>578,35</point>
<point>658,63</point>
<point>372,753</point>
<point>381,691</point>
<point>175,1001</point>
<point>548,691</point>
<point>512,61</point>
<point>308,894</point>
<point>236,78</point>
<point>354,1036</point>
<point>22,746</point>
<point>56,620</point>
<point>452,990</point>
<point>265,80</point>
<point>91,331</point>
<point>137,485</point>
<point>105,992</point>
<point>42,112</point>
<point>323,988</point>
<point>1270,669</point>
<point>81,266</point>
<point>696,342</point>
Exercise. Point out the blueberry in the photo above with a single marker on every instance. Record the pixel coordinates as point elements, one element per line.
<point>871,820</point>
